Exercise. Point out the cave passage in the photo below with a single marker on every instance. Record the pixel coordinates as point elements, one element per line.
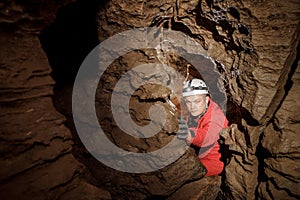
<point>67,42</point>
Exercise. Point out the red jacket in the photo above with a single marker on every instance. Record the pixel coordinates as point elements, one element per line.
<point>206,137</point>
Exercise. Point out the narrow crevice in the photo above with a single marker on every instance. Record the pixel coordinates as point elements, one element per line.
<point>289,82</point>
<point>67,42</point>
<point>70,38</point>
<point>261,152</point>
<point>284,189</point>
<point>288,71</point>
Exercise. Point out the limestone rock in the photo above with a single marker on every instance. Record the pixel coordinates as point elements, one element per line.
<point>36,147</point>
<point>255,48</point>
<point>206,188</point>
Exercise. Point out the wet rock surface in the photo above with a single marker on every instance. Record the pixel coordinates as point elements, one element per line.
<point>255,45</point>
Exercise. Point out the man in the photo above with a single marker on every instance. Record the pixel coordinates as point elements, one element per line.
<point>204,123</point>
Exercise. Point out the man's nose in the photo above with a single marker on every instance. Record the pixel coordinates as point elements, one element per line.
<point>193,105</point>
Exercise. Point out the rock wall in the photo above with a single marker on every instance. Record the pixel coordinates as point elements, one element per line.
<point>255,45</point>
<point>36,147</point>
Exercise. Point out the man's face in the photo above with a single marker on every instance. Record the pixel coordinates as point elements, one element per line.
<point>196,104</point>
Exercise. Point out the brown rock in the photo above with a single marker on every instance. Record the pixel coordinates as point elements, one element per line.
<point>282,144</point>
<point>86,191</point>
<point>255,45</point>
<point>36,159</point>
<point>205,188</point>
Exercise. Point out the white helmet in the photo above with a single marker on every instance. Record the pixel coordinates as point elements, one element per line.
<point>193,87</point>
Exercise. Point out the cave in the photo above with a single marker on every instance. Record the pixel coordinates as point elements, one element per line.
<point>247,52</point>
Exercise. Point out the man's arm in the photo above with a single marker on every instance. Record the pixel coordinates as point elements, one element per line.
<point>205,136</point>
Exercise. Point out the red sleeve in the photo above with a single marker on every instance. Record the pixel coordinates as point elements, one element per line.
<point>207,135</point>
<point>209,127</point>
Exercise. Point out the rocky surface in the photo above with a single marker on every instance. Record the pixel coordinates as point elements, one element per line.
<point>206,188</point>
<point>36,148</point>
<point>281,169</point>
<point>255,45</point>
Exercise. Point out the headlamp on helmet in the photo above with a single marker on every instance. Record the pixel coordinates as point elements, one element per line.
<point>194,87</point>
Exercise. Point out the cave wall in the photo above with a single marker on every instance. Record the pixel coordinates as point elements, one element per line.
<point>36,147</point>
<point>256,42</point>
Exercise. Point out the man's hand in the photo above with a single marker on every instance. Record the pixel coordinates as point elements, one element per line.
<point>190,136</point>
<point>183,131</point>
